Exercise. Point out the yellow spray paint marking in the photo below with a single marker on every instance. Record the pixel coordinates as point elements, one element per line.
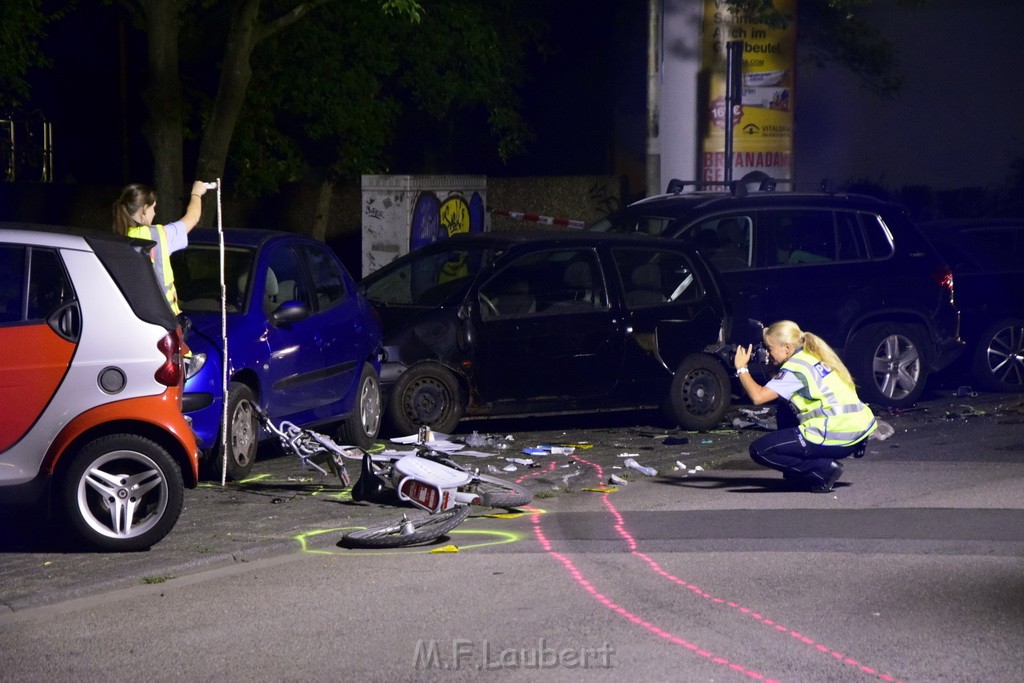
<point>445,549</point>
<point>603,489</point>
<point>505,515</point>
<point>500,538</point>
<point>258,477</point>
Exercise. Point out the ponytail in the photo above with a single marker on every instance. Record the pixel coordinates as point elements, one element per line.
<point>788,332</point>
<point>133,198</point>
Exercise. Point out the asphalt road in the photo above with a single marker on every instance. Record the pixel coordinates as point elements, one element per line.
<point>910,570</point>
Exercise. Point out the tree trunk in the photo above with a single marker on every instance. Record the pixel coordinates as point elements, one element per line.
<point>236,72</point>
<point>163,98</point>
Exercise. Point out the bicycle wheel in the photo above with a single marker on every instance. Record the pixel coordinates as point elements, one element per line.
<point>407,532</point>
<point>501,493</point>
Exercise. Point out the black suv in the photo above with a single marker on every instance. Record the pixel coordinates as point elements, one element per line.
<point>853,269</point>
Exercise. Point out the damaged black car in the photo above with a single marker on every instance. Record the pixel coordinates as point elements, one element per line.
<point>516,324</point>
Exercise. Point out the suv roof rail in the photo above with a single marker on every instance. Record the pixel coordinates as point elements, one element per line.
<point>675,186</point>
<point>738,188</point>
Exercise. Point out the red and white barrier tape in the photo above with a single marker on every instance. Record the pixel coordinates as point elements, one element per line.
<point>536,218</point>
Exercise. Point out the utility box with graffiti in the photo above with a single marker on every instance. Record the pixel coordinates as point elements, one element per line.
<point>401,213</point>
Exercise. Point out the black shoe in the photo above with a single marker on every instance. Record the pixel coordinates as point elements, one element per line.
<point>861,450</point>
<point>835,470</point>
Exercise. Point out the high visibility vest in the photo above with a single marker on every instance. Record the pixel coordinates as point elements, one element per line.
<point>161,260</point>
<point>827,408</point>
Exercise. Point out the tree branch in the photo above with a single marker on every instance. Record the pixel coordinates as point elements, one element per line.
<point>284,21</point>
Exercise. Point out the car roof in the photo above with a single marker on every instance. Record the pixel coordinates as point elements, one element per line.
<point>55,235</point>
<point>568,237</point>
<point>240,237</point>
<point>670,204</point>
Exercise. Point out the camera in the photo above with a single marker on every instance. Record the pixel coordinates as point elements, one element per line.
<point>758,354</point>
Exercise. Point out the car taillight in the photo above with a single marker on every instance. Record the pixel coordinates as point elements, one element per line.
<point>944,278</point>
<point>170,372</point>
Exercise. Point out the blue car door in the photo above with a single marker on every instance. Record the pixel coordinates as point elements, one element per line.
<point>294,370</point>
<point>339,331</point>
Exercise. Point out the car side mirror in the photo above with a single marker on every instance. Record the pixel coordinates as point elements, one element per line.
<point>289,312</point>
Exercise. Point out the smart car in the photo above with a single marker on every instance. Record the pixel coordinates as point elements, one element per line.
<point>302,343</point>
<point>91,377</point>
<point>528,323</point>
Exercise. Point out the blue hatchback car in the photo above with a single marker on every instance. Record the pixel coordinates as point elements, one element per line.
<point>303,343</point>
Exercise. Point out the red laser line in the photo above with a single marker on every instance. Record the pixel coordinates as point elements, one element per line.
<point>620,528</point>
<point>578,576</point>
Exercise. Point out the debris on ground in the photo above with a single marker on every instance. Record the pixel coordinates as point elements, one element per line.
<point>758,419</point>
<point>478,440</point>
<point>634,465</point>
<point>883,432</point>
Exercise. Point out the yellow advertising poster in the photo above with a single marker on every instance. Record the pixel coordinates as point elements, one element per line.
<point>763,133</point>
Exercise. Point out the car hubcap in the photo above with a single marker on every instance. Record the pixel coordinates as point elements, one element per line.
<point>122,495</point>
<point>1005,356</point>
<point>429,400</point>
<point>699,393</point>
<point>897,367</point>
<point>369,402</point>
<point>243,433</point>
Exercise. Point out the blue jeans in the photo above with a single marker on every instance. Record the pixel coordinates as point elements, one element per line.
<point>787,451</point>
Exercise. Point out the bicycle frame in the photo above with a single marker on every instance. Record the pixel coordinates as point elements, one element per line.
<point>417,479</point>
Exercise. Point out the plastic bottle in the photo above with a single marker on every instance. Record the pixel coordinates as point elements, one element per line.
<point>633,464</point>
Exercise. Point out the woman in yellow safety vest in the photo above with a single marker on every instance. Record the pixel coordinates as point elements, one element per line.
<point>821,421</point>
<point>134,212</point>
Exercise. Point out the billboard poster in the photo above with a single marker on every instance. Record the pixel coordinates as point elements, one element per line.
<point>763,133</point>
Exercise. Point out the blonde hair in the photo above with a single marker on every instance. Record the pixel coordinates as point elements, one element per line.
<point>788,332</point>
<point>133,198</point>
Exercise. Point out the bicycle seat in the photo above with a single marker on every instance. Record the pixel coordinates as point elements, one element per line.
<point>370,486</point>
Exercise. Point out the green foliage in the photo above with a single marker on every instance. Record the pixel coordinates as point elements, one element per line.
<point>22,26</point>
<point>331,94</point>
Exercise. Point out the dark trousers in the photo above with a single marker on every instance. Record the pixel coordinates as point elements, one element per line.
<point>787,451</point>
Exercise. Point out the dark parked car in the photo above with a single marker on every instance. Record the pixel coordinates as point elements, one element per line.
<point>526,323</point>
<point>853,269</point>
<point>987,258</point>
<point>302,341</point>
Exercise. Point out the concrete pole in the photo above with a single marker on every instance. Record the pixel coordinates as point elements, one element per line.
<point>653,96</point>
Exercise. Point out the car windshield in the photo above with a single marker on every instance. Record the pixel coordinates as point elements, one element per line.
<point>197,277</point>
<point>428,278</point>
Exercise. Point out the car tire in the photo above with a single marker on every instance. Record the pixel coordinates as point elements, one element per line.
<point>362,425</point>
<point>121,492</point>
<point>887,362</point>
<point>428,394</point>
<point>699,395</point>
<point>998,363</point>
<point>243,436</point>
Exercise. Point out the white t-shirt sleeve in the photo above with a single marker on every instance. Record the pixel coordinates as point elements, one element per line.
<point>785,384</point>
<point>177,236</point>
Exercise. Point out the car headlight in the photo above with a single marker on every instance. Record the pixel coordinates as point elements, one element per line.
<point>193,364</point>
